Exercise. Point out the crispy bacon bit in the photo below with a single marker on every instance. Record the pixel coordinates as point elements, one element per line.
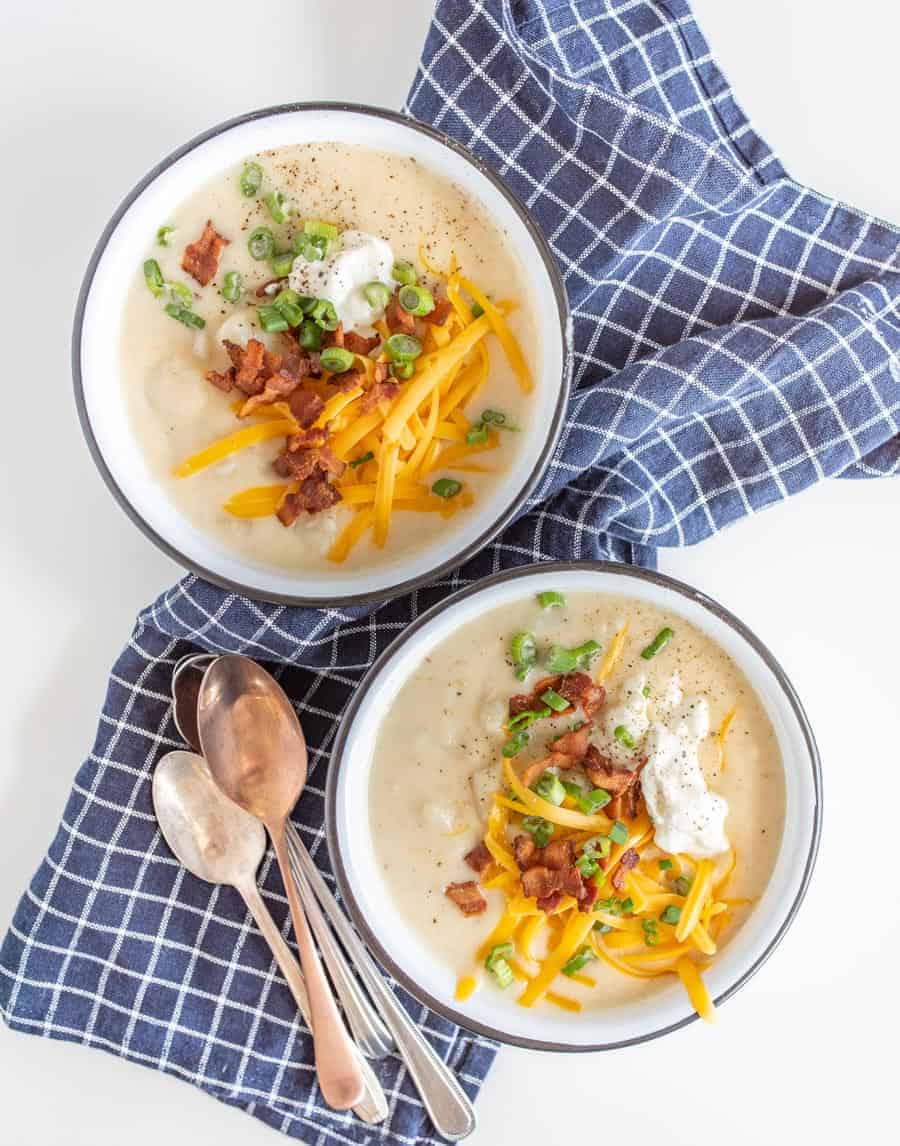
<point>357,344</point>
<point>313,438</point>
<point>201,259</point>
<point>479,858</point>
<point>382,372</point>
<point>467,897</point>
<point>531,702</point>
<point>315,494</point>
<point>224,382</point>
<point>541,881</point>
<point>589,895</point>
<point>550,902</point>
<point>249,363</point>
<point>305,406</point>
<point>349,380</point>
<point>603,773</point>
<point>380,392</point>
<point>303,463</point>
<point>558,854</point>
<point>399,321</point>
<point>630,859</point>
<point>632,801</point>
<point>440,314</point>
<point>264,288</point>
<point>573,744</point>
<point>578,688</point>
<point>525,851</point>
<point>334,337</point>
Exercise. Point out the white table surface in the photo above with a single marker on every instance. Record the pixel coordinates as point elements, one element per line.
<point>90,97</point>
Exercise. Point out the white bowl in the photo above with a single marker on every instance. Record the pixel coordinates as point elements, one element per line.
<point>122,247</point>
<point>405,954</point>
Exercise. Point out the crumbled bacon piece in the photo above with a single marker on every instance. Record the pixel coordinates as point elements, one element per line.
<point>224,382</point>
<point>399,321</point>
<point>303,463</point>
<point>349,380</point>
<point>632,801</point>
<point>589,895</point>
<point>315,494</point>
<point>479,858</point>
<point>578,688</point>
<point>525,851</point>
<point>531,701</point>
<point>467,897</point>
<point>313,438</point>
<point>249,364</point>
<point>382,372</point>
<point>334,337</point>
<point>358,344</point>
<point>380,392</point>
<point>305,406</point>
<point>201,259</point>
<point>558,854</point>
<point>572,743</point>
<point>603,773</point>
<point>440,314</point>
<point>550,902</point>
<point>541,881</point>
<point>630,859</point>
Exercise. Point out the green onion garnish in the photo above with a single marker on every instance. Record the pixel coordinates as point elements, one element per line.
<point>645,691</point>
<point>378,295</point>
<point>572,789</point>
<point>682,884</point>
<point>524,650</point>
<point>184,314</point>
<point>162,235</point>
<point>550,599</point>
<point>651,932</point>
<point>416,300</point>
<point>271,319</point>
<point>498,418</point>
<point>526,719</point>
<point>403,273</point>
<point>261,243</point>
<point>402,370</point>
<point>549,788</point>
<point>324,314</point>
<point>292,313</point>
<point>671,914</point>
<point>627,905</point>
<point>402,347</point>
<point>618,833</point>
<point>477,310</point>
<point>499,951</point>
<point>587,866</point>
<point>501,972</point>
<point>623,736</point>
<point>182,293</point>
<point>320,230</point>
<point>336,359</point>
<point>552,698</point>
<point>277,207</point>
<point>584,956</point>
<point>231,286</point>
<point>153,277</point>
<point>282,263</point>
<point>601,845</point>
<point>477,435</point>
<point>665,865</point>
<point>251,180</point>
<point>308,304</point>
<point>658,643</point>
<point>540,830</point>
<point>561,659</point>
<point>447,487</point>
<point>515,744</point>
<point>310,334</point>
<point>603,928</point>
<point>362,459</point>
<point>313,248</point>
<point>593,801</point>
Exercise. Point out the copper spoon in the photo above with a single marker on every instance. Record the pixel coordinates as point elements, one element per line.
<point>221,843</point>
<point>256,752</point>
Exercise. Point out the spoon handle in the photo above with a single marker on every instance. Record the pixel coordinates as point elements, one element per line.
<point>445,1100</point>
<point>370,1033</point>
<point>337,1064</point>
<point>372,1107</point>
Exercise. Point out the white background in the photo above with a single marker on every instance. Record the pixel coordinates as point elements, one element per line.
<point>91,95</point>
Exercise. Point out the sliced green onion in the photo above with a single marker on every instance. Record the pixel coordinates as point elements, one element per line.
<point>477,435</point>
<point>336,359</point>
<point>307,303</point>
<point>402,370</point>
<point>645,691</point>
<point>550,789</point>
<point>416,300</point>
<point>403,273</point>
<point>601,845</point>
<point>623,736</point>
<point>185,314</point>
<point>587,650</point>
<point>627,906</point>
<point>515,744</point>
<point>251,180</point>
<point>278,208</point>
<point>603,928</point>
<point>618,833</point>
<point>572,789</point>
<point>593,801</point>
<point>292,313</point>
<point>162,235</point>
<point>324,314</point>
<point>477,310</point>
<point>286,295</point>
<point>153,277</point>
<point>671,914</point>
<point>526,719</point>
<point>261,243</point>
<point>313,248</point>
<point>282,263</point>
<point>271,319</point>
<point>561,659</point>
<point>446,487</point>
<point>611,906</point>
<point>362,459</point>
<point>665,865</point>
<point>584,956</point>
<point>231,286</point>
<point>501,972</point>
<point>658,643</point>
<point>498,418</point>
<point>310,334</point>
<point>552,698</point>
<point>378,295</point>
<point>499,951</point>
<point>402,347</point>
<point>550,599</point>
<point>651,932</point>
<point>182,293</point>
<point>540,830</point>
<point>320,230</point>
<point>587,866</point>
<point>523,648</point>
<point>682,884</point>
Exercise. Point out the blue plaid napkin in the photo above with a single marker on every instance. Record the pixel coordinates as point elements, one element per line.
<point>736,339</point>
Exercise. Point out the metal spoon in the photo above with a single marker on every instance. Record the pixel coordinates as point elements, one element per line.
<point>256,752</point>
<point>221,843</point>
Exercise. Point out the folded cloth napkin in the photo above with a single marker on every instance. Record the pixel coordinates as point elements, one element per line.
<point>736,338</point>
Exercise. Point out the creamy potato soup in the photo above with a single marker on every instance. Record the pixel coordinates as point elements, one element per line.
<point>591,796</point>
<point>327,354</point>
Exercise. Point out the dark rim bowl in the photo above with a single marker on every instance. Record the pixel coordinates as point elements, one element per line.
<point>278,586</point>
<point>406,958</point>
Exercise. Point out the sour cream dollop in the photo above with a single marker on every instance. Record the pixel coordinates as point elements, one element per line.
<point>687,816</point>
<point>361,258</point>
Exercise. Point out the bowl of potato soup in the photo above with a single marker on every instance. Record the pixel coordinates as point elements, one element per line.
<point>574,806</point>
<point>321,353</point>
